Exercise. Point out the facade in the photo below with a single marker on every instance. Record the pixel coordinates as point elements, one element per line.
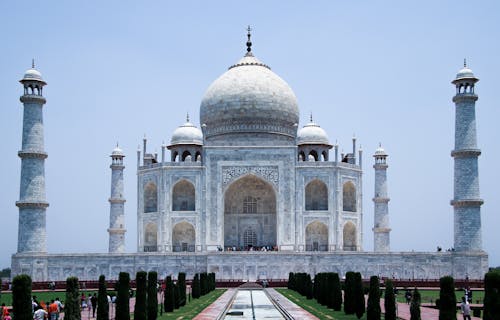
<point>249,195</point>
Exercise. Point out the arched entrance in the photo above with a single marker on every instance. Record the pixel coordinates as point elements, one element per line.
<point>150,238</point>
<point>316,236</point>
<point>249,214</point>
<point>183,237</point>
<point>349,237</point>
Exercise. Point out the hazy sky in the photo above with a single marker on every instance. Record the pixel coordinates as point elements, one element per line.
<point>117,70</point>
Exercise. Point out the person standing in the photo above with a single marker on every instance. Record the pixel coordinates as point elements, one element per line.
<point>93,301</point>
<point>465,307</point>
<point>53,310</point>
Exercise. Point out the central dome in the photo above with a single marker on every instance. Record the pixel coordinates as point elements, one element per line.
<point>249,104</point>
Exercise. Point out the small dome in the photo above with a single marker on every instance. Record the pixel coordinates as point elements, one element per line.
<point>465,72</point>
<point>33,75</point>
<point>380,151</point>
<point>188,133</point>
<point>312,133</point>
<point>117,152</point>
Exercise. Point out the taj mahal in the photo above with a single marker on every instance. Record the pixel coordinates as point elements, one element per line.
<point>250,194</point>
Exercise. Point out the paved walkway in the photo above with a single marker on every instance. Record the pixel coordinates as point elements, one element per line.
<point>217,307</point>
<point>294,310</point>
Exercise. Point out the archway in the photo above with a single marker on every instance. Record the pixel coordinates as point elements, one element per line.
<point>349,197</point>
<point>316,195</point>
<point>316,236</point>
<point>183,237</point>
<point>249,214</point>
<point>349,237</point>
<point>183,196</point>
<point>150,198</point>
<point>150,238</point>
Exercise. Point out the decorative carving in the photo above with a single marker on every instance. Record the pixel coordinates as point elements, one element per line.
<point>268,173</point>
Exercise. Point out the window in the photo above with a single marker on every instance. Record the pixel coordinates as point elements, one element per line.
<point>249,205</point>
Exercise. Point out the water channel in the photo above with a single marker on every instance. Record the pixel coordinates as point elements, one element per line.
<point>252,304</point>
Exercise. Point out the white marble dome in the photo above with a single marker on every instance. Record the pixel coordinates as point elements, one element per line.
<point>117,152</point>
<point>464,73</point>
<point>187,133</point>
<point>32,74</point>
<point>380,151</point>
<point>249,98</point>
<point>312,133</point>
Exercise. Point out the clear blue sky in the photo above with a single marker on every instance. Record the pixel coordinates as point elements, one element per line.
<point>117,70</point>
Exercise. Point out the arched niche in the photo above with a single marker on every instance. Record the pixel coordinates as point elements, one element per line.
<point>183,237</point>
<point>150,197</point>
<point>316,195</point>
<point>349,197</point>
<point>349,237</point>
<point>183,196</point>
<point>316,236</point>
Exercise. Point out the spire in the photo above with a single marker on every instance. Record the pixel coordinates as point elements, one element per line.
<point>465,63</point>
<point>187,116</point>
<point>311,117</point>
<point>249,42</point>
<point>33,63</point>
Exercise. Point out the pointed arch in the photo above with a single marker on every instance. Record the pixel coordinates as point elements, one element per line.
<point>302,156</point>
<point>349,197</point>
<point>183,237</point>
<point>313,156</point>
<point>150,197</point>
<point>250,204</point>
<point>349,237</point>
<point>185,156</point>
<point>316,194</point>
<point>151,237</point>
<point>183,196</point>
<point>316,236</point>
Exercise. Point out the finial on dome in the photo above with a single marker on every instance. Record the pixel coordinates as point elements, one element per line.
<point>311,117</point>
<point>117,144</point>
<point>465,63</point>
<point>249,43</point>
<point>33,63</point>
<point>187,116</point>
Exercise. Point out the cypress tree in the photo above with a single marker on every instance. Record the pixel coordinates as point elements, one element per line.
<point>447,299</point>
<point>72,301</point>
<point>337,292</point>
<point>213,281</point>
<point>373,311</point>
<point>491,296</point>
<point>291,281</point>
<point>349,297</point>
<point>21,297</point>
<point>309,287</point>
<point>196,287</point>
<point>123,296</point>
<point>152,295</point>
<point>140,296</point>
<point>315,286</point>
<point>203,283</point>
<point>415,305</point>
<point>389,301</point>
<point>169,295</point>
<point>102,300</point>
<point>176,296</point>
<point>359,295</point>
<point>181,282</point>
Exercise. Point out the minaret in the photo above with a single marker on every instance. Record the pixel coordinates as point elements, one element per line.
<point>116,203</point>
<point>466,201</point>
<point>32,204</point>
<point>381,230</point>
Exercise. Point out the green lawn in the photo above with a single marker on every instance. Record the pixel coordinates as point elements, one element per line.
<point>194,307</point>
<point>430,296</point>
<point>315,308</point>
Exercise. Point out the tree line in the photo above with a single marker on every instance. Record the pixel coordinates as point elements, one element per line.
<point>329,291</point>
<point>146,295</point>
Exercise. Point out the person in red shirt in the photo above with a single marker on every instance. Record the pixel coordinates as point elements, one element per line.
<point>53,310</point>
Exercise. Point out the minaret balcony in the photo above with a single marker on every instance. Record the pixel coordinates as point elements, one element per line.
<point>31,204</point>
<point>465,153</point>
<point>32,154</point>
<point>464,97</point>
<point>33,98</point>
<point>466,203</point>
